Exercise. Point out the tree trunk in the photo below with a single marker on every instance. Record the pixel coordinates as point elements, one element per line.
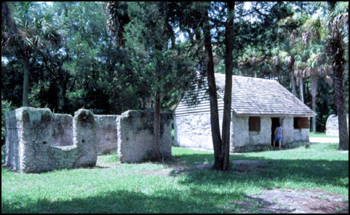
<point>301,89</point>
<point>339,75</point>
<point>292,82</point>
<point>25,79</point>
<point>314,87</point>
<point>156,127</point>
<point>343,131</point>
<point>336,51</point>
<point>226,122</point>
<point>214,114</point>
<point>314,118</point>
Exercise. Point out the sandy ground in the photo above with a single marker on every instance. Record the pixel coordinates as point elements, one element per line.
<point>311,139</point>
<point>281,200</point>
<point>274,200</point>
<point>292,201</point>
<point>324,140</point>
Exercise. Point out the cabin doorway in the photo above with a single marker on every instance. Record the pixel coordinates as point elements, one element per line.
<point>275,123</point>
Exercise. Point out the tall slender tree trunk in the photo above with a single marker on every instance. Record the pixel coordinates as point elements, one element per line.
<point>156,127</point>
<point>341,109</point>
<point>314,118</point>
<point>336,52</point>
<point>301,89</point>
<point>25,79</point>
<point>291,74</point>
<point>339,76</point>
<point>292,82</point>
<point>314,94</point>
<point>214,113</point>
<point>226,122</point>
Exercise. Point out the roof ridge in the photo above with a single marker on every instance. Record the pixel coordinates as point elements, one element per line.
<point>252,95</point>
<point>241,76</point>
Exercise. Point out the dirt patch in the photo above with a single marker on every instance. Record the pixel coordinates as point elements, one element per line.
<point>242,166</point>
<point>106,165</point>
<point>291,201</point>
<point>342,152</point>
<point>163,172</point>
<point>238,166</point>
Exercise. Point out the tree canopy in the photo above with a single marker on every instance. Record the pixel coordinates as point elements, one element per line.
<point>114,56</point>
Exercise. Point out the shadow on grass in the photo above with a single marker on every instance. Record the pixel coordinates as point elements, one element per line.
<point>268,174</point>
<point>123,201</point>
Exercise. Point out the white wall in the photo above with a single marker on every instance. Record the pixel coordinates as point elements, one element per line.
<point>291,134</point>
<point>241,136</point>
<point>194,130</point>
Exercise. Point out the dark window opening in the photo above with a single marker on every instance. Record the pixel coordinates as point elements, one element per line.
<point>275,122</point>
<point>254,123</point>
<point>301,122</point>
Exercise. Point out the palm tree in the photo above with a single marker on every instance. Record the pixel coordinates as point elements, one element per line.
<point>289,60</point>
<point>317,68</point>
<point>251,63</point>
<point>312,38</point>
<point>290,28</point>
<point>299,72</point>
<point>23,33</point>
<point>338,34</point>
<point>276,62</point>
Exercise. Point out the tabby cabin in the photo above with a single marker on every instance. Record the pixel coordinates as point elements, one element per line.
<point>258,106</point>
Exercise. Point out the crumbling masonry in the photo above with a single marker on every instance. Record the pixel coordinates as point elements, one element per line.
<point>33,144</point>
<point>39,141</point>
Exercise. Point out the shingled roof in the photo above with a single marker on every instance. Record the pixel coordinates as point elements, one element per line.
<point>251,97</point>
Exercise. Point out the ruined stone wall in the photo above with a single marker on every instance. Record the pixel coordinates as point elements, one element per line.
<point>106,133</point>
<point>84,138</point>
<point>28,134</point>
<point>31,145</point>
<point>332,127</point>
<point>62,130</point>
<point>194,130</point>
<point>135,136</point>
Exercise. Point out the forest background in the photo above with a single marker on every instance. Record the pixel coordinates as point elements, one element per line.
<point>73,62</point>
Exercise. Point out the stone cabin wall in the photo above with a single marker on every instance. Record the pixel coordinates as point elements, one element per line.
<point>293,137</point>
<point>194,131</point>
<point>244,140</point>
<point>135,136</point>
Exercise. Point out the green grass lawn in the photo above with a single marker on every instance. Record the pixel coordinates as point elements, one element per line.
<point>133,188</point>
